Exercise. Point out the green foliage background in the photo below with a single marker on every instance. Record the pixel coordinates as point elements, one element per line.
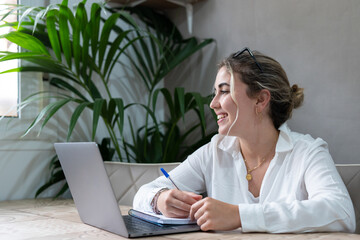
<point>76,48</point>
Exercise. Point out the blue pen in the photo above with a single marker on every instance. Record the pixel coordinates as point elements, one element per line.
<point>168,177</point>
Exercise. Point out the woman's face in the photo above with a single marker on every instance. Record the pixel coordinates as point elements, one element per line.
<point>225,107</point>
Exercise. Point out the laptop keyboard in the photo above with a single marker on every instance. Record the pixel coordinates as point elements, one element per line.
<point>134,224</point>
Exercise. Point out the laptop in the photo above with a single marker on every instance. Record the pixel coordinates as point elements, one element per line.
<point>94,197</point>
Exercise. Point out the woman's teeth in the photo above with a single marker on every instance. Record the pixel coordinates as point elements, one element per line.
<point>221,116</point>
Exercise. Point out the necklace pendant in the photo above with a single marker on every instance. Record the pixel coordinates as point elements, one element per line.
<point>248,177</point>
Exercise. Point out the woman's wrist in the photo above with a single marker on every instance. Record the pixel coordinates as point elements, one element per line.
<point>155,200</point>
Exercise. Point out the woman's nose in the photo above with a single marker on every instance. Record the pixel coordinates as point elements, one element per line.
<point>214,103</point>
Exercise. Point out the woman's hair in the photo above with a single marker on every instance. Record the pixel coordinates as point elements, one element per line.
<point>268,74</point>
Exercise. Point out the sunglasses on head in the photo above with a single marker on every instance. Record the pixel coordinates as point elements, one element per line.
<point>246,49</point>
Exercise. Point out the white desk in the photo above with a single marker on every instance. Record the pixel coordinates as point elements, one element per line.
<point>44,219</point>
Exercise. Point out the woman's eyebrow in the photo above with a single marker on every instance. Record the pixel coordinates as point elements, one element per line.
<point>223,84</point>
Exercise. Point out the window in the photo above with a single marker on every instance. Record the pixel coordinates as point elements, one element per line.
<point>9,82</point>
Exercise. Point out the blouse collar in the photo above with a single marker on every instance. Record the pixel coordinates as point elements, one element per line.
<point>284,143</point>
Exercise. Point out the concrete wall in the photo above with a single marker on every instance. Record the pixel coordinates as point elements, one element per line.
<point>316,41</point>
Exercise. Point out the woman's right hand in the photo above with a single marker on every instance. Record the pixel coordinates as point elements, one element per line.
<point>175,203</point>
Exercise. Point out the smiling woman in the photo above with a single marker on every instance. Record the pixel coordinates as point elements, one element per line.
<point>257,173</point>
<point>9,85</point>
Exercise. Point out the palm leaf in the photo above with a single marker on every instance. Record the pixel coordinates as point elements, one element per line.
<point>52,33</point>
<point>26,14</point>
<point>168,99</point>
<point>53,110</point>
<point>41,14</point>
<point>186,52</point>
<point>86,68</point>
<point>97,108</point>
<point>200,106</point>
<point>180,101</point>
<point>57,177</point>
<point>12,9</point>
<point>62,84</point>
<point>37,69</point>
<point>122,51</point>
<point>64,188</point>
<point>110,113</point>
<point>105,34</point>
<point>6,56</point>
<point>95,28</point>
<point>146,55</point>
<point>120,107</point>
<point>64,34</point>
<point>112,51</point>
<point>79,24</point>
<point>75,116</point>
<point>46,110</point>
<point>81,15</point>
<point>27,41</point>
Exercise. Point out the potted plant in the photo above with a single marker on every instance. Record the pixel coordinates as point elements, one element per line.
<point>80,57</point>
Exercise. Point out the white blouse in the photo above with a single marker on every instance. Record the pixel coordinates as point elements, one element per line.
<point>301,190</point>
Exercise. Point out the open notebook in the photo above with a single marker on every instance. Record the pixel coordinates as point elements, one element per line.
<point>159,219</point>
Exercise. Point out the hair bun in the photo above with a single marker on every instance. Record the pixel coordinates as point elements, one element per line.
<point>297,95</point>
<point>294,88</point>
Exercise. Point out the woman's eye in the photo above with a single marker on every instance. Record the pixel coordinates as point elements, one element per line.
<point>221,92</point>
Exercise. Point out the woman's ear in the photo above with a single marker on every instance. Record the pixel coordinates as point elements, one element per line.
<point>263,99</point>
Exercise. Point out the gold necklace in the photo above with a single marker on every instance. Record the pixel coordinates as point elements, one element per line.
<point>248,175</point>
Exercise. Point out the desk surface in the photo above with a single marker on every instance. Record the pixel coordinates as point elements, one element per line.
<point>46,219</point>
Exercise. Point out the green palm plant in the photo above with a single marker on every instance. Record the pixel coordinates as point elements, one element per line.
<point>164,142</point>
<point>72,46</point>
<point>81,60</point>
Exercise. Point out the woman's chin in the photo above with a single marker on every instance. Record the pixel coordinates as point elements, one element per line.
<point>223,131</point>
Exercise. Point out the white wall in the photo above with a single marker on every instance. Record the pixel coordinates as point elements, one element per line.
<point>316,41</point>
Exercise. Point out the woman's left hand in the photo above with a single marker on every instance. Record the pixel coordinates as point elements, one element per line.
<point>213,214</point>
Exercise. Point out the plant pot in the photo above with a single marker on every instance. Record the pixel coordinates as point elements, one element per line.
<point>127,178</point>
